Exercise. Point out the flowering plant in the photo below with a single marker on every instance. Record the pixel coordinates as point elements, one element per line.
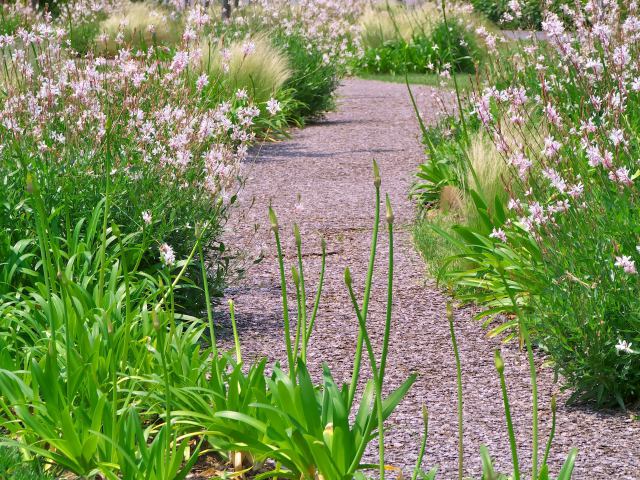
<point>563,116</point>
<point>161,140</point>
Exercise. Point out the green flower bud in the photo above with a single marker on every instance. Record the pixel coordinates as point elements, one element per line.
<point>499,362</point>
<point>377,181</point>
<point>296,277</point>
<point>327,434</point>
<point>390,216</point>
<point>347,276</point>
<point>273,219</point>
<point>296,234</point>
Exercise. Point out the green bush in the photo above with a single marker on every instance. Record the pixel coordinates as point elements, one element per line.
<point>564,253</point>
<point>313,79</point>
<point>454,48</point>
<point>13,467</point>
<point>531,16</point>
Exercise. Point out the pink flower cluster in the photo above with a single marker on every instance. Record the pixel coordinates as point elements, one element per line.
<point>577,141</point>
<point>60,109</point>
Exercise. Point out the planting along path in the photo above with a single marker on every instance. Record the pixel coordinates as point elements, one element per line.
<point>329,165</point>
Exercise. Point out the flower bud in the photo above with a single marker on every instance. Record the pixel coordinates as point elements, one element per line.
<point>327,434</point>
<point>390,216</point>
<point>499,362</point>
<point>296,277</point>
<point>323,245</point>
<point>273,219</point>
<point>296,234</point>
<point>376,175</point>
<point>425,415</point>
<point>347,276</point>
<point>554,404</point>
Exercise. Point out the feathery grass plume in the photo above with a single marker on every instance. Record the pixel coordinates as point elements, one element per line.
<point>490,173</point>
<point>138,25</point>
<point>383,23</point>
<point>253,64</point>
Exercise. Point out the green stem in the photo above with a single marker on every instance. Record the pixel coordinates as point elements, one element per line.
<point>389,309</point>
<point>302,308</point>
<point>376,382</point>
<point>459,393</point>
<point>367,290</point>
<point>423,445</point>
<point>316,303</point>
<point>236,337</point>
<point>207,298</point>
<point>532,373</point>
<point>283,288</point>
<point>507,413</point>
<point>105,219</point>
<point>553,431</point>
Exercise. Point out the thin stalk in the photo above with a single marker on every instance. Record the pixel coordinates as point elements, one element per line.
<point>507,412</point>
<point>533,375</point>
<point>302,308</point>
<point>236,337</point>
<point>423,445</point>
<point>316,303</point>
<point>161,332</point>
<point>455,81</point>
<point>389,309</point>
<point>296,345</point>
<point>553,430</point>
<point>367,290</point>
<point>283,288</point>
<point>105,218</point>
<point>459,393</point>
<point>207,297</point>
<point>376,381</point>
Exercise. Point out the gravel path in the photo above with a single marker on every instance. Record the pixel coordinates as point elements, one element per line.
<point>329,166</point>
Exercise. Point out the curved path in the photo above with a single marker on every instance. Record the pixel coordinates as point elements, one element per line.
<point>329,166</point>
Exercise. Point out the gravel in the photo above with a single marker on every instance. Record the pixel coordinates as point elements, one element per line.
<point>329,165</point>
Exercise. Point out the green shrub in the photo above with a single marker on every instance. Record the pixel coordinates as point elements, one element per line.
<point>454,49</point>
<point>531,14</point>
<point>313,79</point>
<point>13,467</point>
<point>564,253</point>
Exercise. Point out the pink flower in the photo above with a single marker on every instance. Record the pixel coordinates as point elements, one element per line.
<point>551,147</point>
<point>499,234</point>
<point>617,137</point>
<point>621,175</point>
<point>167,256</point>
<point>628,265</point>
<point>203,81</point>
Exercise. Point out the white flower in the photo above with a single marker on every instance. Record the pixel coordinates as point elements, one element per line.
<point>273,106</point>
<point>624,346</point>
<point>625,262</point>
<point>146,217</point>
<point>167,255</point>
